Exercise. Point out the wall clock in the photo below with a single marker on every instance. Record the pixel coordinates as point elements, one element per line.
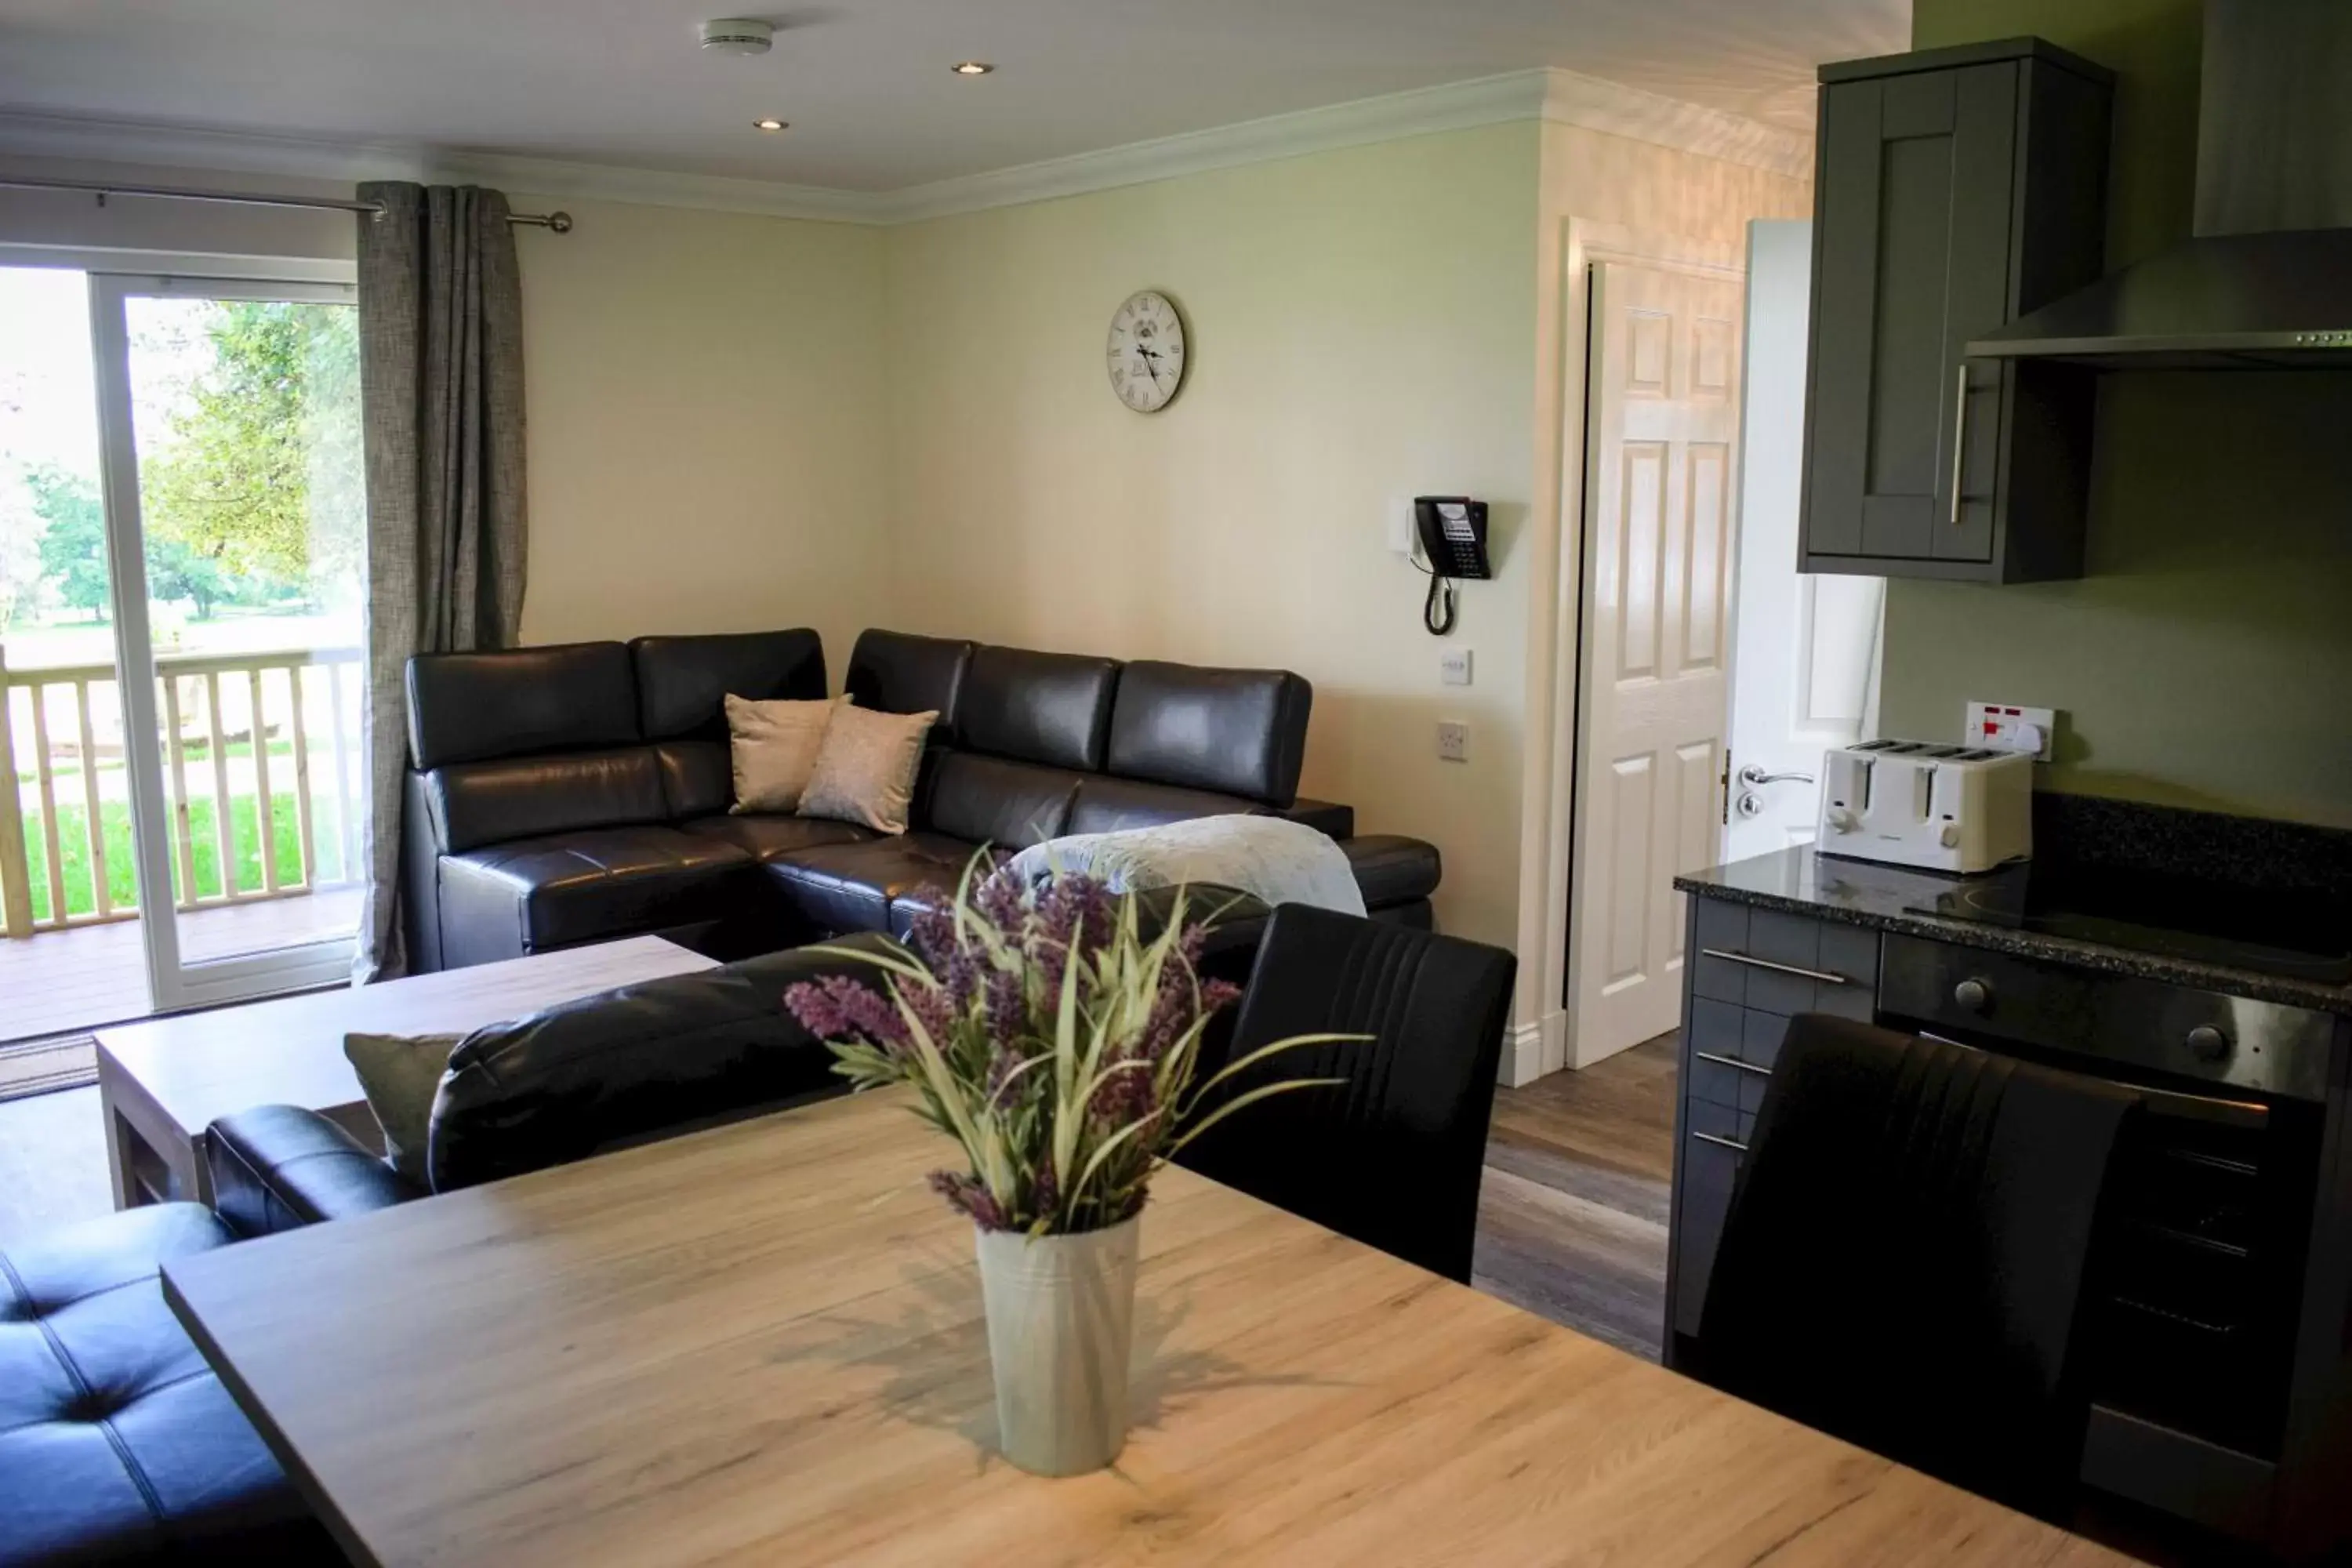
<point>1146,351</point>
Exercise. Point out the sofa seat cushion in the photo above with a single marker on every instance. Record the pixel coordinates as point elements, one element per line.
<point>117,1443</point>
<point>1392,870</point>
<point>840,887</point>
<point>764,837</point>
<point>570,888</point>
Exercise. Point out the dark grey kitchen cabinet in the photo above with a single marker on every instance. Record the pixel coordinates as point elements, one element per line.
<point>1749,971</point>
<point>1954,190</point>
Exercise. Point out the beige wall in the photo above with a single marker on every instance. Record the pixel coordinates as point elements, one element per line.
<point>706,414</point>
<point>1362,325</point>
<point>705,408</point>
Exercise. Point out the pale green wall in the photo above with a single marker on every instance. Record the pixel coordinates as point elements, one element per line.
<point>2206,658</point>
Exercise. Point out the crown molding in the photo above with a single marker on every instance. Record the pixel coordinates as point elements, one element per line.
<point>1455,106</point>
<point>1571,97</point>
<point>1561,97</point>
<point>288,157</point>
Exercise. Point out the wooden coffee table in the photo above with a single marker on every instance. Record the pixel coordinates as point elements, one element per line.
<point>161,1083</point>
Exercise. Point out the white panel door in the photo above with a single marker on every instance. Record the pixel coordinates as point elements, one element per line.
<point>1806,647</point>
<point>1660,524</point>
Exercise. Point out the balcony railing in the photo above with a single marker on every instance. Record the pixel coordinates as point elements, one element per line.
<point>261,766</point>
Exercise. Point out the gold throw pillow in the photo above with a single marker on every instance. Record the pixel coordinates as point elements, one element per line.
<point>400,1074</point>
<point>865,769</point>
<point>775,747</point>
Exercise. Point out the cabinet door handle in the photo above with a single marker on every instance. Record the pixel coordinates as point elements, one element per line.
<point>1959,440</point>
<point>1733,1062</point>
<point>1732,1144</point>
<point>1823,976</point>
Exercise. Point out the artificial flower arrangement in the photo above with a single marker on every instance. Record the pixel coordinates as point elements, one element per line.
<point>1047,1036</point>
<point>1058,1046</point>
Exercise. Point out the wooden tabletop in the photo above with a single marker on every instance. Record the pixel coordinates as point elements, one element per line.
<point>762,1345</point>
<point>197,1067</point>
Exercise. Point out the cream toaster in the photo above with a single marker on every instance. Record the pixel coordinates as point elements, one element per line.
<point>1919,802</point>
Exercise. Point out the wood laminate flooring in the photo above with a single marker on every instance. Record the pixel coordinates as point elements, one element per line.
<point>1571,1221</point>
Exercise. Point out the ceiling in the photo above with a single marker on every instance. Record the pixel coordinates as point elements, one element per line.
<point>866,83</point>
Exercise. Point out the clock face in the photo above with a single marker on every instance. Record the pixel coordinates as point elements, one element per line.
<point>1146,353</point>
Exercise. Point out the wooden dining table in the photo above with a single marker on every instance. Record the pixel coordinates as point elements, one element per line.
<point>763,1344</point>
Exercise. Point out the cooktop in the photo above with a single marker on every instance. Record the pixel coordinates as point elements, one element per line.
<point>2300,932</point>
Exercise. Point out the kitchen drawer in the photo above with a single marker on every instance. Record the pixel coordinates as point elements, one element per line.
<point>1708,1171</point>
<point>1784,963</point>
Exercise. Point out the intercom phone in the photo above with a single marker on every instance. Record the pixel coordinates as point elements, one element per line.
<point>1453,539</point>
<point>1453,534</point>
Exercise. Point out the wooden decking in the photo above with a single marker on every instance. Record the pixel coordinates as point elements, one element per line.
<point>89,975</point>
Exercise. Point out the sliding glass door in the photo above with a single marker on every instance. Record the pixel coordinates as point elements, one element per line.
<point>235,546</point>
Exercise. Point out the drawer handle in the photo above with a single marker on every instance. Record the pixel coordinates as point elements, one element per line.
<point>1823,976</point>
<point>1733,1062</point>
<point>1732,1144</point>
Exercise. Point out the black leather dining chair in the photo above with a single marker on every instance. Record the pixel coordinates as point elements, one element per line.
<point>1391,1155</point>
<point>1910,1244</point>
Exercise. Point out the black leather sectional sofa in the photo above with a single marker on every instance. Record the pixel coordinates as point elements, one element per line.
<point>574,793</point>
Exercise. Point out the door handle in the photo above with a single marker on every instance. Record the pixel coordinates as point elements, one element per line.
<point>1959,441</point>
<point>1753,775</point>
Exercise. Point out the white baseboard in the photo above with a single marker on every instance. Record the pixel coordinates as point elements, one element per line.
<point>1533,1050</point>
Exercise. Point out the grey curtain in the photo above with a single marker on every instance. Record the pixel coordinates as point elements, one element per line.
<point>441,381</point>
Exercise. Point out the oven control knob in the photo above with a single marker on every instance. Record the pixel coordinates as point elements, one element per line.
<point>1975,995</point>
<point>2208,1044</point>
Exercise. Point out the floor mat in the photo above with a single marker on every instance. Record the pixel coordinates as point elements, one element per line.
<point>39,1067</point>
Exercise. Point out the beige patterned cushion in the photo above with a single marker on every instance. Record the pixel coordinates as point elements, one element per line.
<point>775,747</point>
<point>865,769</point>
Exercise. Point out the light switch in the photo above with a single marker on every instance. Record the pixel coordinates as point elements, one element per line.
<point>1454,667</point>
<point>1452,741</point>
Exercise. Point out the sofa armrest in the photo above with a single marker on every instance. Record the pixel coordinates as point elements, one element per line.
<point>277,1168</point>
<point>1393,870</point>
<point>1325,816</point>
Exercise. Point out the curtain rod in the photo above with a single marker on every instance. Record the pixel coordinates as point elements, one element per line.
<point>559,222</point>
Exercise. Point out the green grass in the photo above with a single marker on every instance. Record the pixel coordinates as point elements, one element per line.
<point>114,830</point>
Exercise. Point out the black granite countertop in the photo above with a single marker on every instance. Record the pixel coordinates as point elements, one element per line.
<point>1896,898</point>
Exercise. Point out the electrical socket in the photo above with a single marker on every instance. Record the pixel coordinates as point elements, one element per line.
<point>2000,727</point>
<point>1452,741</point>
<point>1454,667</point>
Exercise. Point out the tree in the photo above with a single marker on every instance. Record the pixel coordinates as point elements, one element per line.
<point>176,571</point>
<point>73,546</point>
<point>258,474</point>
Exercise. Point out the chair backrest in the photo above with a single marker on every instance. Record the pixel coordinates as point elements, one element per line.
<point>1391,1155</point>
<point>1905,1258</point>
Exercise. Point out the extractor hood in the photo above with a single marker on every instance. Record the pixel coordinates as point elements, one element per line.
<point>2267,282</point>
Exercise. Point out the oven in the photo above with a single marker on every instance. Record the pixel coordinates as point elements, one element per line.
<point>2196,1280</point>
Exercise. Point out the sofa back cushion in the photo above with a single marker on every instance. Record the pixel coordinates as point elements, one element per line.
<point>474,804</point>
<point>1107,805</point>
<point>465,707</point>
<point>647,1061</point>
<point>683,682</point>
<point>994,800</point>
<point>1050,707</point>
<point>1237,732</point>
<point>897,672</point>
<point>697,777</point>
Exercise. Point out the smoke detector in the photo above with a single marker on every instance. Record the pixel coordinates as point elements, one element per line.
<point>737,35</point>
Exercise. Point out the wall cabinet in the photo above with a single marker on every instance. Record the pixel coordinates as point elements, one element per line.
<point>1954,190</point>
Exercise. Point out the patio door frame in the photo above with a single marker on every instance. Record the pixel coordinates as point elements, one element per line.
<point>175,986</point>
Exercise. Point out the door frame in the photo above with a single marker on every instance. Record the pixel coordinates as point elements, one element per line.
<point>1539,1045</point>
<point>173,985</point>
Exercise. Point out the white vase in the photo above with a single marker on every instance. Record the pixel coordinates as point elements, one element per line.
<point>1061,1312</point>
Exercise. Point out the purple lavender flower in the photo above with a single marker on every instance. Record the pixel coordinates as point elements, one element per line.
<point>839,1008</point>
<point>968,1196</point>
<point>932,1005</point>
<point>1001,901</point>
<point>1007,1015</point>
<point>932,935</point>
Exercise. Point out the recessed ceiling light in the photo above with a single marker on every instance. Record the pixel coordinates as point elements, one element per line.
<point>972,68</point>
<point>770,122</point>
